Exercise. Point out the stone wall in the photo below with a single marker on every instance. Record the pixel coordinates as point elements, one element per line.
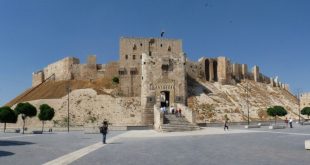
<point>87,107</point>
<point>62,69</point>
<point>224,72</point>
<point>131,50</point>
<point>255,72</point>
<point>37,78</point>
<point>128,68</point>
<point>192,69</point>
<point>70,68</point>
<point>304,100</point>
<point>108,70</point>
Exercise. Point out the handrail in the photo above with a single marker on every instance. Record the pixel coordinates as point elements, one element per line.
<point>34,88</point>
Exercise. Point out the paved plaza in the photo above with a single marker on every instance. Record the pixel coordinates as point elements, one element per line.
<point>207,146</point>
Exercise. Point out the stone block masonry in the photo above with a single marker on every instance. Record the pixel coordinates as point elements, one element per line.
<point>70,68</point>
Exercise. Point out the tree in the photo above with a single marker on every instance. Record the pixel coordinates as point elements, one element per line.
<point>26,110</point>
<point>276,111</point>
<point>115,80</point>
<point>46,113</point>
<point>306,111</point>
<point>7,115</point>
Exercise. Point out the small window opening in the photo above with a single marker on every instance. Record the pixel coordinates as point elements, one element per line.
<point>133,57</point>
<point>126,57</point>
<point>169,49</point>
<point>161,45</point>
<point>134,47</point>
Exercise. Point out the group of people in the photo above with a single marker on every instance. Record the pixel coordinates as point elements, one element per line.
<point>177,112</point>
<point>290,122</point>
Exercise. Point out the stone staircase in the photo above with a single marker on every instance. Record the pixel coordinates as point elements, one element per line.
<point>177,124</point>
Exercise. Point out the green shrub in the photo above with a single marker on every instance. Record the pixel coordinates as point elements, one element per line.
<point>306,111</point>
<point>276,111</point>
<point>7,115</point>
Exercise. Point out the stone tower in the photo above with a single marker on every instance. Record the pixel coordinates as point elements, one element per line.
<point>154,69</point>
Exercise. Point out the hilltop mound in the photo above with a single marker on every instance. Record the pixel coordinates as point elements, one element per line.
<point>93,101</point>
<point>211,101</point>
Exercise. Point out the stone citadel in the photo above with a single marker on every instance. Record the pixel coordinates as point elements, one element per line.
<point>156,70</point>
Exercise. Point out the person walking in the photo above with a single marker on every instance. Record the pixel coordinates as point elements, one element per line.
<point>291,122</point>
<point>104,131</point>
<point>180,112</point>
<point>226,125</point>
<point>171,109</point>
<point>286,122</point>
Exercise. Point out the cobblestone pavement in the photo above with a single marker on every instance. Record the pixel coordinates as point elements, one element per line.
<point>206,146</point>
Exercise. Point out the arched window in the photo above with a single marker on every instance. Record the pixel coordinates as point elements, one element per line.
<point>215,78</point>
<point>126,57</point>
<point>207,72</point>
<point>134,47</point>
<point>169,49</point>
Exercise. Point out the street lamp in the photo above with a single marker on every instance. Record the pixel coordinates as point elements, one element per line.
<point>247,90</point>
<point>247,101</point>
<point>68,117</point>
<point>298,99</point>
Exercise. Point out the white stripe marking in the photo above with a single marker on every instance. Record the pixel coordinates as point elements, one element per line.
<point>71,157</point>
<point>288,133</point>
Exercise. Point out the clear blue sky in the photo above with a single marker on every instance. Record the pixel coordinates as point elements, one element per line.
<point>273,34</point>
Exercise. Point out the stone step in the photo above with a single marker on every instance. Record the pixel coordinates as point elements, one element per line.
<point>178,129</point>
<point>180,124</point>
<point>177,124</point>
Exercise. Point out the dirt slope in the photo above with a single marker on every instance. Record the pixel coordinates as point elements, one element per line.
<point>54,90</point>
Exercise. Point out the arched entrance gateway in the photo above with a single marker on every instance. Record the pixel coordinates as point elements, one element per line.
<point>215,78</point>
<point>164,98</point>
<point>165,92</point>
<point>207,63</point>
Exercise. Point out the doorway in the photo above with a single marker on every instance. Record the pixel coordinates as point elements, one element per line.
<point>164,98</point>
<point>207,63</point>
<point>215,78</point>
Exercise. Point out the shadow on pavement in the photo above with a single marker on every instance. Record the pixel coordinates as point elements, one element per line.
<point>115,143</point>
<point>5,153</point>
<point>13,143</point>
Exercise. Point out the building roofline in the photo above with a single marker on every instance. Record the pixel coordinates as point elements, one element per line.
<point>149,38</point>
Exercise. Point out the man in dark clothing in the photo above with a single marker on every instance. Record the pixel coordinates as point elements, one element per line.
<point>104,131</point>
<point>226,125</point>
